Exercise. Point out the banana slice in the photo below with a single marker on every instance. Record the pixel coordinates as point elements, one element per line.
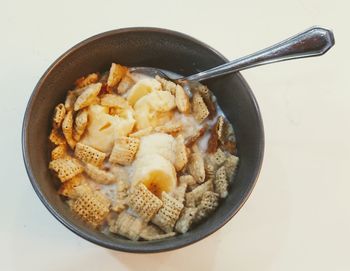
<point>103,128</point>
<point>142,88</point>
<point>158,143</point>
<point>155,172</point>
<point>154,109</point>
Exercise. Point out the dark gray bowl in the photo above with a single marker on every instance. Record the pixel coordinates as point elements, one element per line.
<point>142,47</point>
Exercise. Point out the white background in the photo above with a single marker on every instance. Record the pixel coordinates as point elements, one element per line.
<point>298,216</point>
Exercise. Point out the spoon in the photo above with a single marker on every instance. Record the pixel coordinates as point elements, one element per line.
<point>315,41</point>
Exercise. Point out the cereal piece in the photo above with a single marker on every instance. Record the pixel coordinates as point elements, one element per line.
<point>181,158</point>
<point>113,100</point>
<point>87,97</point>
<point>185,221</point>
<point>192,140</point>
<point>199,109</point>
<point>168,214</point>
<point>70,100</point>
<point>58,115</point>
<point>142,132</point>
<point>116,73</point>
<point>152,232</point>
<point>81,121</point>
<point>89,155</point>
<point>167,85</point>
<point>56,137</point>
<point>59,152</point>
<point>196,167</point>
<point>67,128</point>
<point>194,197</point>
<point>99,176</point>
<point>120,173</point>
<point>208,98</point>
<point>93,208</point>
<point>230,165</point>
<point>209,171</point>
<point>217,158</point>
<point>66,168</point>
<point>128,226</point>
<point>85,81</point>
<point>182,100</point>
<point>215,135</point>
<point>124,150</point>
<point>169,128</point>
<point>68,188</point>
<point>125,84</point>
<point>230,146</point>
<point>179,192</point>
<point>121,196</point>
<point>189,180</point>
<point>144,202</point>
<point>207,206</point>
<point>221,183</point>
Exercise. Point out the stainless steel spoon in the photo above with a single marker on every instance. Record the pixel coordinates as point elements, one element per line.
<point>312,42</point>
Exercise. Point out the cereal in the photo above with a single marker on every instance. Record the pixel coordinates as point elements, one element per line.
<point>230,165</point>
<point>128,226</point>
<point>167,85</point>
<point>182,100</point>
<point>81,121</point>
<point>196,167</point>
<point>87,97</point>
<point>58,116</point>
<point>221,183</point>
<point>186,219</point>
<point>99,176</point>
<point>208,204</point>
<point>67,128</point>
<point>93,208</point>
<point>116,73</point>
<point>124,150</point>
<point>59,151</point>
<point>89,155</point>
<point>181,158</point>
<point>66,168</point>
<point>144,203</point>
<point>180,191</point>
<point>56,137</point>
<point>193,197</point>
<point>86,80</point>
<point>68,188</point>
<point>151,232</point>
<point>142,132</point>
<point>125,84</point>
<point>199,109</point>
<point>168,214</point>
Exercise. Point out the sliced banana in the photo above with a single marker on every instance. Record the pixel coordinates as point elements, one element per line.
<point>154,109</point>
<point>103,128</point>
<point>155,172</point>
<point>158,143</point>
<point>142,88</point>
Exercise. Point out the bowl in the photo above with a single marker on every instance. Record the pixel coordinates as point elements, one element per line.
<point>153,47</point>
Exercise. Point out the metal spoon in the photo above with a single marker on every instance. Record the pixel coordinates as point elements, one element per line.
<point>312,42</point>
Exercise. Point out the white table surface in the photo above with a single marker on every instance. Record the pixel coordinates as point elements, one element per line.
<point>298,216</point>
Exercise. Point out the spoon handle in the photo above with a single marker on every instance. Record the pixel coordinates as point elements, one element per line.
<point>313,42</point>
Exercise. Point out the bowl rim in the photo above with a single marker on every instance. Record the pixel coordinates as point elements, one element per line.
<point>123,247</point>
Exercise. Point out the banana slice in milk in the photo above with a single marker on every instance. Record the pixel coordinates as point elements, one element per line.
<point>155,172</point>
<point>154,109</point>
<point>103,128</point>
<point>142,88</point>
<point>158,143</point>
